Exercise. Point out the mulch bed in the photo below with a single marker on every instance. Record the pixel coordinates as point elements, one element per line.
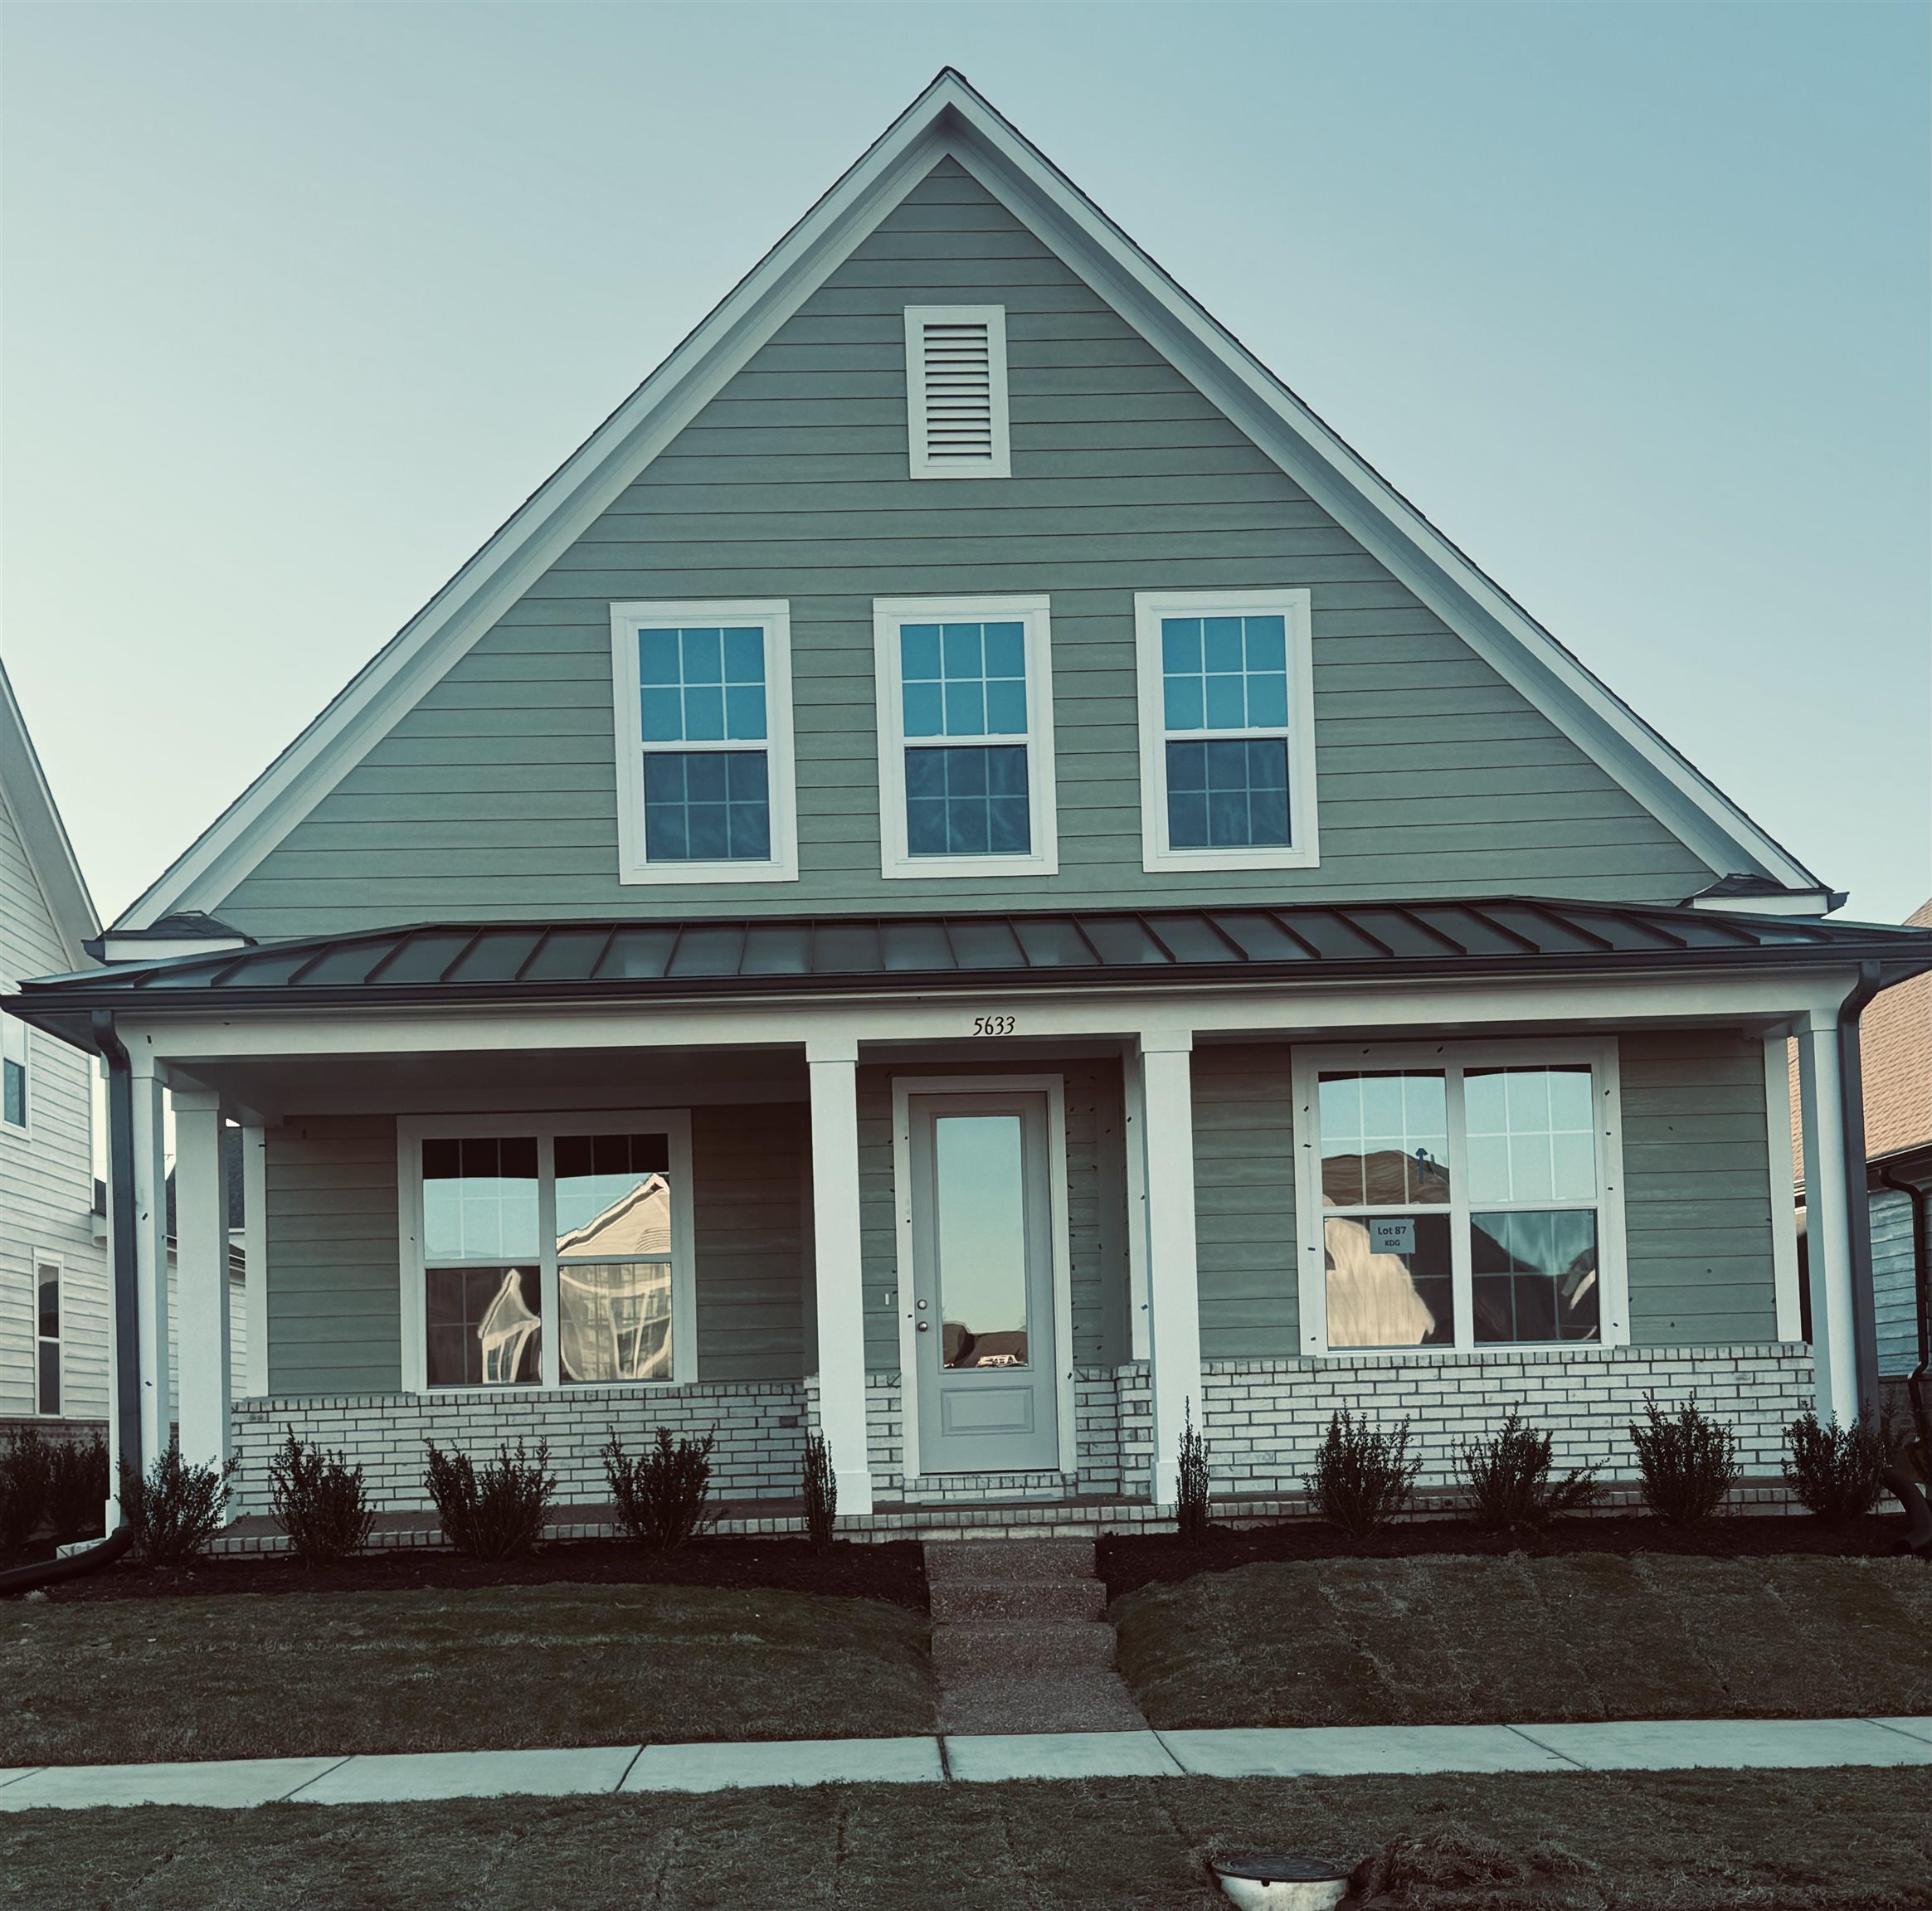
<point>1127,1560</point>
<point>895,1572</point>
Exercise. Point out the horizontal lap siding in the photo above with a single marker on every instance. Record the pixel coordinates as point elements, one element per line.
<point>1244,1202</point>
<point>1892,1278</point>
<point>748,1167</point>
<point>495,797</point>
<point>1698,1188</point>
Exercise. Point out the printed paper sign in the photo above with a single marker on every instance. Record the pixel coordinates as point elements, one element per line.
<point>1393,1235</point>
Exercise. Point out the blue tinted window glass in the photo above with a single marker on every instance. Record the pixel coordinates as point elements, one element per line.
<point>689,679</point>
<point>1005,646</point>
<point>1228,794</point>
<point>966,709</point>
<point>703,713</point>
<point>962,651</point>
<point>1185,707</point>
<point>657,657</point>
<point>965,802</point>
<point>744,713</point>
<point>1221,647</point>
<point>744,656</point>
<point>918,651</point>
<point>1181,645</point>
<point>924,709</point>
<point>1267,701</point>
<point>1268,643</point>
<point>703,656</point>
<point>1226,674</point>
<point>706,806</point>
<point>1226,707</point>
<point>963,679</point>
<point>663,715</point>
<point>1006,707</point>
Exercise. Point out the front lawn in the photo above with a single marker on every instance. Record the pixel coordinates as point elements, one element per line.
<point>1450,1641</point>
<point>1837,1841</point>
<point>248,1676</point>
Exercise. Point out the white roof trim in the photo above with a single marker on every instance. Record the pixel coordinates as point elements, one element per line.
<point>950,118</point>
<point>42,835</point>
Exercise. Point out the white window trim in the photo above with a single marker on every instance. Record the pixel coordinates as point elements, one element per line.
<point>58,1262</point>
<point>774,616</point>
<point>1293,606</point>
<point>412,1131</point>
<point>994,319</point>
<point>8,1024</point>
<point>1612,1271</point>
<point>1054,1088</point>
<point>1034,612</point>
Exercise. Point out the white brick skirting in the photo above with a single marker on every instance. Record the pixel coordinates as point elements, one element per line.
<point>759,1427</point>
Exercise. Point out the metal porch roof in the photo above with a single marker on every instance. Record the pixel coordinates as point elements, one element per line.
<point>478,963</point>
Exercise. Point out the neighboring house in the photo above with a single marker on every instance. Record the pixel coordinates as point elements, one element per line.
<point>53,1271</point>
<point>967,874</point>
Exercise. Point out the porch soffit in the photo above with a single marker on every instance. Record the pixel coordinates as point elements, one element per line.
<point>528,965</point>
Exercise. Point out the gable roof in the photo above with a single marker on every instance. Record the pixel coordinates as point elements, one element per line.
<point>42,835</point>
<point>950,120</point>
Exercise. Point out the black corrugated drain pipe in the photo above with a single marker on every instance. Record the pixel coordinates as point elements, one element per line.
<point>127,1319</point>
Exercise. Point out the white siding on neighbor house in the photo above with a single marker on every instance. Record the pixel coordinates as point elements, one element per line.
<point>1891,1283</point>
<point>238,1327</point>
<point>47,1174</point>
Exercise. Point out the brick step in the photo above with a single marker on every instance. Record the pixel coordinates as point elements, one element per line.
<point>982,1648</point>
<point>1010,1560</point>
<point>1041,1602</point>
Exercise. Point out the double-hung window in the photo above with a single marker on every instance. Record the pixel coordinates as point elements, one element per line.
<point>703,696</point>
<point>1458,1197</point>
<point>46,1280</point>
<point>1227,729</point>
<point>965,705</point>
<point>548,1252</point>
<point>12,1068</point>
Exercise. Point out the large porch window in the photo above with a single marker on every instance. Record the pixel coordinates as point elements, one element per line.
<point>551,1252</point>
<point>1453,1196</point>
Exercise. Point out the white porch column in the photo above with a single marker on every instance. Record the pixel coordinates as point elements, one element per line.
<point>150,1131</point>
<point>1134,1096</point>
<point>833,1062</point>
<point>1173,1289</point>
<point>254,1253</point>
<point>201,1261</point>
<point>1827,1208</point>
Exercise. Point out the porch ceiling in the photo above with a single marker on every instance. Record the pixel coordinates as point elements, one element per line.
<point>531,964</point>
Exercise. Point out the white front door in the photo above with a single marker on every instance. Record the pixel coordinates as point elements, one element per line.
<point>983,1283</point>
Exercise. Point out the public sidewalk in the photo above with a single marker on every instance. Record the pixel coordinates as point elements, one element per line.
<point>1728,1744</point>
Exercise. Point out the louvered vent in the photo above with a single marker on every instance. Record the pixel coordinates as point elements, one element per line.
<point>956,384</point>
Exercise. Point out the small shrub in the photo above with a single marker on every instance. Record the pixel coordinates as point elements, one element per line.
<point>1508,1478</point>
<point>663,1494</point>
<point>1362,1476</point>
<point>1835,1471</point>
<point>499,1513</point>
<point>24,1466</point>
<point>319,1500</point>
<point>822,1492</point>
<point>1689,1462</point>
<point>77,1488</point>
<point>176,1509</point>
<point>1190,1497</point>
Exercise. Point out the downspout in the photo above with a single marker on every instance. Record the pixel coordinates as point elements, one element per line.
<point>127,1348</point>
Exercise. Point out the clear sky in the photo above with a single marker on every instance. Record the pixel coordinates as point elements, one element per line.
<point>300,301</point>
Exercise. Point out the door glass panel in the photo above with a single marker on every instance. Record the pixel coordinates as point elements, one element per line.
<point>979,1198</point>
<point>1389,1281</point>
<point>1385,1141</point>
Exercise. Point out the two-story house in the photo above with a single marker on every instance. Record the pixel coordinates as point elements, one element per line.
<point>966,873</point>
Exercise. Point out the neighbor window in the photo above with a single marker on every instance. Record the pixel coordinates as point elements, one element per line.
<point>12,1068</point>
<point>47,1336</point>
<point>1453,1198</point>
<point>555,1255</point>
<point>1226,735</point>
<point>965,736</point>
<point>703,695</point>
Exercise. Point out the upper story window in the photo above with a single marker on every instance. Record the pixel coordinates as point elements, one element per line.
<point>703,696</point>
<point>12,1068</point>
<point>547,1252</point>
<point>956,391</point>
<point>1459,1197</point>
<point>965,736</point>
<point>1227,729</point>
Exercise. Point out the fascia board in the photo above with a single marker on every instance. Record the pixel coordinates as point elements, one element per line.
<point>1370,509</point>
<point>547,523</point>
<point>43,836</point>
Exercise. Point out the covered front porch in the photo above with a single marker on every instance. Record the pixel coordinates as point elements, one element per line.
<point>998,1217</point>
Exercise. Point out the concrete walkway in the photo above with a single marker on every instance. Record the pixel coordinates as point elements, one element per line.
<point>1728,1744</point>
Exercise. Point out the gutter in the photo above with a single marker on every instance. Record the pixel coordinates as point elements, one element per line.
<point>127,1319</point>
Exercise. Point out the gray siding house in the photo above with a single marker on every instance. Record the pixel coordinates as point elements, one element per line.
<point>53,1272</point>
<point>966,875</point>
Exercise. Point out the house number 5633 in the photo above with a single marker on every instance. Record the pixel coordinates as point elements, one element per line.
<point>993,1024</point>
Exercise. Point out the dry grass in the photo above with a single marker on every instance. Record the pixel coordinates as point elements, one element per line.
<point>246,1676</point>
<point>1691,1841</point>
<point>1581,1635</point>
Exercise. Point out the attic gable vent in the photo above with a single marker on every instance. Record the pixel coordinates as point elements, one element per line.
<point>956,391</point>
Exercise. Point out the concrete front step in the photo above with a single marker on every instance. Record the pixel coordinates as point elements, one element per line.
<point>1091,1699</point>
<point>1008,1560</point>
<point>1043,1601</point>
<point>984,1648</point>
